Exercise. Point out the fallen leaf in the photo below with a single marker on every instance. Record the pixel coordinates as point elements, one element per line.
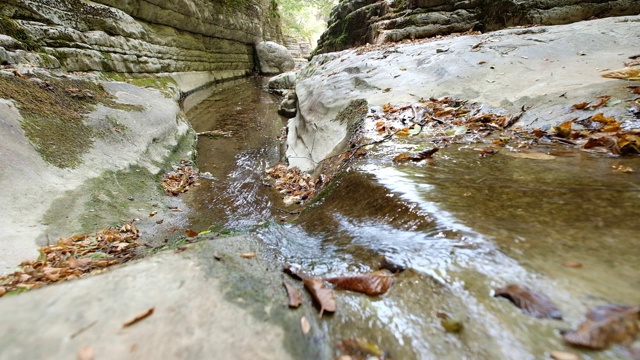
<point>191,233</point>
<point>563,130</point>
<point>359,348</point>
<point>572,264</point>
<point>629,144</point>
<point>138,318</point>
<point>295,271</point>
<point>323,295</point>
<point>426,154</point>
<point>531,303</point>
<point>304,325</point>
<point>580,106</point>
<point>628,73</point>
<point>609,124</point>
<point>248,255</point>
<point>449,323</point>
<point>295,299</point>
<point>606,325</point>
<point>374,284</point>
<point>563,355</point>
<point>153,213</point>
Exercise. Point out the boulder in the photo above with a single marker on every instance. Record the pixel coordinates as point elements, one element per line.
<point>274,58</point>
<point>280,83</point>
<point>289,106</point>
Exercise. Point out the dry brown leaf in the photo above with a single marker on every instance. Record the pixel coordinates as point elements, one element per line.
<point>374,284</point>
<point>572,264</point>
<point>531,303</point>
<point>138,318</point>
<point>248,255</point>
<point>191,233</point>
<point>563,130</point>
<point>580,106</point>
<point>423,155</point>
<point>628,73</point>
<point>321,294</point>
<point>606,325</point>
<point>629,144</point>
<point>609,124</point>
<point>295,299</point>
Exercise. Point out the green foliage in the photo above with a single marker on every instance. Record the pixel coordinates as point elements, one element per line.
<point>305,18</point>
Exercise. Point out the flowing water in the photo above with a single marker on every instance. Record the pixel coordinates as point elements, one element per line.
<point>462,226</point>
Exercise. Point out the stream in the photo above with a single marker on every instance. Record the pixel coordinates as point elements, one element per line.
<point>462,227</point>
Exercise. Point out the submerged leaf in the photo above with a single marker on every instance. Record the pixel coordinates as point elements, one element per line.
<point>606,325</point>
<point>376,283</point>
<point>323,295</point>
<point>531,303</point>
<point>357,348</point>
<point>426,154</point>
<point>295,299</point>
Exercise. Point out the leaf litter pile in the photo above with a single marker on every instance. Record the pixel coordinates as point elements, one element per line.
<point>74,257</point>
<point>180,179</point>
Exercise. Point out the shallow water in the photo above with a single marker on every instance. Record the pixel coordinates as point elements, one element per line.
<point>462,225</point>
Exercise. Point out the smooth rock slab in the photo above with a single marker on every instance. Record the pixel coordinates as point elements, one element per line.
<point>197,313</point>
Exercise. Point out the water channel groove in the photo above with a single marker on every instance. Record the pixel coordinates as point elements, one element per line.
<point>462,226</point>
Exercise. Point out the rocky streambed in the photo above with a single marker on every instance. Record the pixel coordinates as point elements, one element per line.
<point>458,225</point>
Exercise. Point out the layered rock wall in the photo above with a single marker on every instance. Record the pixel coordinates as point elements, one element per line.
<point>212,40</point>
<point>358,22</point>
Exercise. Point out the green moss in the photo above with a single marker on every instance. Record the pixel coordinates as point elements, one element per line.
<point>52,111</point>
<point>13,29</point>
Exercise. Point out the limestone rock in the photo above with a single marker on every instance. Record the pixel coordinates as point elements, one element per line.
<point>280,83</point>
<point>274,58</point>
<point>4,56</point>
<point>289,106</point>
<point>358,22</point>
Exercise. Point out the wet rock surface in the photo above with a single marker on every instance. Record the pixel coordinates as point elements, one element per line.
<point>543,70</point>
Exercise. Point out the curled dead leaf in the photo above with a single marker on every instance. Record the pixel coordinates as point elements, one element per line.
<point>563,130</point>
<point>191,233</point>
<point>248,255</point>
<point>321,294</point>
<point>531,303</point>
<point>374,284</point>
<point>606,325</point>
<point>422,155</point>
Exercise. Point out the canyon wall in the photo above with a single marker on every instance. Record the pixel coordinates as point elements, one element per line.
<point>201,41</point>
<point>358,22</point>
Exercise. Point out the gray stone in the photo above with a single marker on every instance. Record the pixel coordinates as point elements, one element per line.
<point>545,69</point>
<point>358,22</point>
<point>4,56</point>
<point>10,43</point>
<point>289,105</point>
<point>284,81</point>
<point>197,312</point>
<point>274,58</point>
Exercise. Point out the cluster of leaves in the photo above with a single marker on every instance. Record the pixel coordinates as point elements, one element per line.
<point>180,179</point>
<point>604,325</point>
<point>297,186</point>
<point>373,284</point>
<point>73,257</point>
<point>597,132</point>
